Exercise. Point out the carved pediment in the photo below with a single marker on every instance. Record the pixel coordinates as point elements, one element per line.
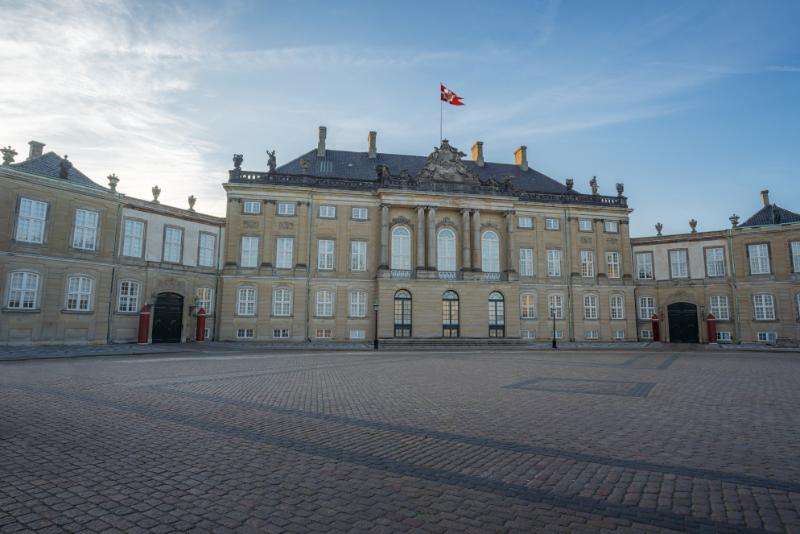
<point>445,165</point>
<point>401,220</point>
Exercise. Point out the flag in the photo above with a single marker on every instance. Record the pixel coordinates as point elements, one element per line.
<point>450,97</point>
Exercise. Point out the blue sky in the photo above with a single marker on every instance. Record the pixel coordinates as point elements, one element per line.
<point>693,105</point>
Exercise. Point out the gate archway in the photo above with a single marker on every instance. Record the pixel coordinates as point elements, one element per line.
<point>683,326</point>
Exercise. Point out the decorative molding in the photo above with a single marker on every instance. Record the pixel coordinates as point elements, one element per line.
<point>490,224</point>
<point>401,220</point>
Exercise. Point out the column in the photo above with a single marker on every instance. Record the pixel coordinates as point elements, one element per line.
<point>304,220</point>
<point>626,262</point>
<point>512,245</point>
<point>431,238</point>
<point>420,231</point>
<point>600,247</point>
<point>466,253</point>
<point>384,236</point>
<point>476,240</point>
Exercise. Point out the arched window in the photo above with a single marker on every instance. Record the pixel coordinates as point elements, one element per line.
<point>450,323</point>
<point>401,249</point>
<point>527,306</point>
<point>490,252</point>
<point>23,291</point>
<point>128,296</point>
<point>282,302</point>
<point>325,305</point>
<point>402,314</point>
<point>446,252</point>
<point>79,293</point>
<point>497,315</point>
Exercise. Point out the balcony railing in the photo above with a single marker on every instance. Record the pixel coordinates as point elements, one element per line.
<point>402,274</point>
<point>451,275</point>
<point>494,277</point>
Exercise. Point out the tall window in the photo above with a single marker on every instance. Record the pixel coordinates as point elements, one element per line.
<point>526,262</point>
<point>555,306</point>
<point>204,297</point>
<point>282,302</point>
<point>173,244</point>
<point>490,252</point>
<point>246,301</point>
<point>617,307</point>
<point>612,259</point>
<point>678,263</point>
<point>128,296</point>
<point>324,303</point>
<point>715,261</point>
<point>325,254</point>
<point>84,236</point>
<point>401,248</point>
<point>446,250</point>
<point>79,293</point>
<point>23,291</point>
<point>133,238</point>
<point>358,303</point>
<point>285,248</point>
<point>764,307</point>
<point>527,306</point>
<point>450,322</point>
<point>250,245</point>
<point>497,315</point>
<point>553,262</point>
<point>207,250</point>
<point>647,308</point>
<point>358,256</point>
<point>587,263</point>
<point>644,266</point>
<point>720,308</point>
<point>402,314</point>
<point>590,306</point>
<point>795,248</point>
<point>31,219</point>
<point>759,258</point>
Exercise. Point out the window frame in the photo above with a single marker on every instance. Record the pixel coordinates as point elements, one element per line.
<point>359,260</point>
<point>327,208</point>
<point>727,307</point>
<point>521,226</point>
<point>281,205</point>
<point>400,255</point>
<point>327,255</point>
<point>280,255</point>
<point>591,225</point>
<point>353,213</point>
<point>143,238</point>
<point>527,312</point>
<point>649,316</point>
<point>289,301</point>
<point>354,296</point>
<point>672,271</point>
<point>241,302</point>
<point>531,262</point>
<point>551,272</point>
<point>750,258</point>
<point>35,302</point>
<point>587,272</point>
<point>89,296</point>
<point>617,271</point>
<point>615,227</point>
<point>706,251</point>
<point>255,253</point>
<point>328,308</point>
<point>794,257</point>
<point>259,204</point>
<point>595,306</point>
<point>772,308</point>
<point>551,298</point>
<point>200,236</point>
<point>620,309</point>
<point>182,232</point>
<point>490,255</point>
<point>552,224</point>
<point>19,216</point>
<point>128,297</point>
<point>95,242</point>
<point>442,245</point>
<point>646,253</point>
<point>209,307</point>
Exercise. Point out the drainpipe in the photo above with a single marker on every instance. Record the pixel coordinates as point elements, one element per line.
<point>734,287</point>
<point>216,286</point>
<point>570,310</point>
<point>110,320</point>
<point>309,222</point>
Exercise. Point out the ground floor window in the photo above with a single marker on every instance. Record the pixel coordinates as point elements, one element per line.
<point>450,324</point>
<point>280,333</point>
<point>245,333</point>
<point>402,314</point>
<point>323,333</point>
<point>357,333</point>
<point>497,315</point>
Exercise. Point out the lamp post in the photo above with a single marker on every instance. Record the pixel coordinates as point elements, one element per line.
<point>553,315</point>
<point>375,342</point>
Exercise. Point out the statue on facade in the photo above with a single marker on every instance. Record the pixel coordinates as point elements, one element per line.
<point>508,185</point>
<point>570,184</point>
<point>445,164</point>
<point>271,161</point>
<point>192,199</point>
<point>593,185</point>
<point>237,161</point>
<point>382,171</point>
<point>659,227</point>
<point>620,189</point>
<point>734,220</point>
<point>693,225</point>
<point>305,166</point>
<point>64,167</point>
<point>113,180</point>
<point>156,191</point>
<point>8,155</point>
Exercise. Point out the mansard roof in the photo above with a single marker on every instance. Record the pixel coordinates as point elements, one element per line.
<point>771,214</point>
<point>48,165</point>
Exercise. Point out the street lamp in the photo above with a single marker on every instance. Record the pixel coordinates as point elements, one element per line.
<point>375,342</point>
<point>553,316</point>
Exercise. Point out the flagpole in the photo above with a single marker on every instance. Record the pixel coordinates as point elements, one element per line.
<point>441,113</point>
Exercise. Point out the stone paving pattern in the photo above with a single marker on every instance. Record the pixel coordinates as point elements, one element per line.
<point>472,441</point>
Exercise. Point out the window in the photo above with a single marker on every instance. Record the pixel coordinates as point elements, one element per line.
<point>619,334</point>
<point>559,334</point>
<point>528,334</point>
<point>759,258</point>
<point>280,333</point>
<point>327,212</point>
<point>767,337</point>
<point>173,244</point>
<point>551,223</point>
<point>647,308</point>
<point>612,259</point>
<point>764,307</point>
<point>31,219</point>
<point>724,337</point>
<point>644,266</point>
<point>358,256</point>
<point>553,262</point>
<point>133,238</point>
<point>585,225</point>
<point>490,252</point>
<point>128,297</point>
<point>450,316</point>
<point>590,306</point>
<point>282,302</point>
<point>358,304</point>
<point>555,306</point>
<point>79,293</point>
<point>401,248</point>
<point>646,334</point>
<point>359,214</point>
<point>323,333</point>
<point>587,263</point>
<point>719,307</point>
<point>204,298</point>
<point>715,261</point>
<point>23,291</point>
<point>207,250</point>
<point>446,250</point>
<point>246,301</point>
<point>527,306</point>
<point>402,314</point>
<point>286,208</point>
<point>678,264</point>
<point>325,254</point>
<point>244,333</point>
<point>324,303</point>
<point>524,222</point>
<point>617,307</point>
<point>285,248</point>
<point>358,333</point>
<point>250,245</point>
<point>795,248</point>
<point>592,334</point>
<point>84,236</point>
<point>612,227</point>
<point>497,315</point>
<point>526,262</point>
<point>251,207</point>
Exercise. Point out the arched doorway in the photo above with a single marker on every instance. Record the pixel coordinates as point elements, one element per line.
<point>402,314</point>
<point>497,315</point>
<point>682,318</point>
<point>167,318</point>
<point>450,323</point>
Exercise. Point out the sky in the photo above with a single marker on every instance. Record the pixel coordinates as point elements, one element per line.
<point>693,105</point>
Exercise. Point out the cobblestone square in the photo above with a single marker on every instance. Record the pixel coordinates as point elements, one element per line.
<point>218,440</point>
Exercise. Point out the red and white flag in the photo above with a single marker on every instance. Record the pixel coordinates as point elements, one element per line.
<point>450,97</point>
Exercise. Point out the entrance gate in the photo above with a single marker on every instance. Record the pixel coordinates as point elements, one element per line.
<point>167,318</point>
<point>682,317</point>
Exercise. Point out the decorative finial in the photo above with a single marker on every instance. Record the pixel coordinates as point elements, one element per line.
<point>112,182</point>
<point>693,225</point>
<point>156,191</point>
<point>237,161</point>
<point>192,200</point>
<point>734,220</point>
<point>593,184</point>
<point>659,227</point>
<point>8,155</point>
<point>64,167</point>
<point>620,189</point>
<point>570,184</point>
<point>305,165</point>
<point>271,161</point>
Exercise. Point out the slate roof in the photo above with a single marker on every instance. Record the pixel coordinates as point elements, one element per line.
<point>771,214</point>
<point>48,166</point>
<point>357,165</point>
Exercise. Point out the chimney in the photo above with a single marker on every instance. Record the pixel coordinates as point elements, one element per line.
<point>372,145</point>
<point>36,150</point>
<point>321,145</point>
<point>521,157</point>
<point>477,153</point>
<point>765,197</point>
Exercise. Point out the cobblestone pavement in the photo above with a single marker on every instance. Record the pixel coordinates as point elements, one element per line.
<point>474,441</point>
